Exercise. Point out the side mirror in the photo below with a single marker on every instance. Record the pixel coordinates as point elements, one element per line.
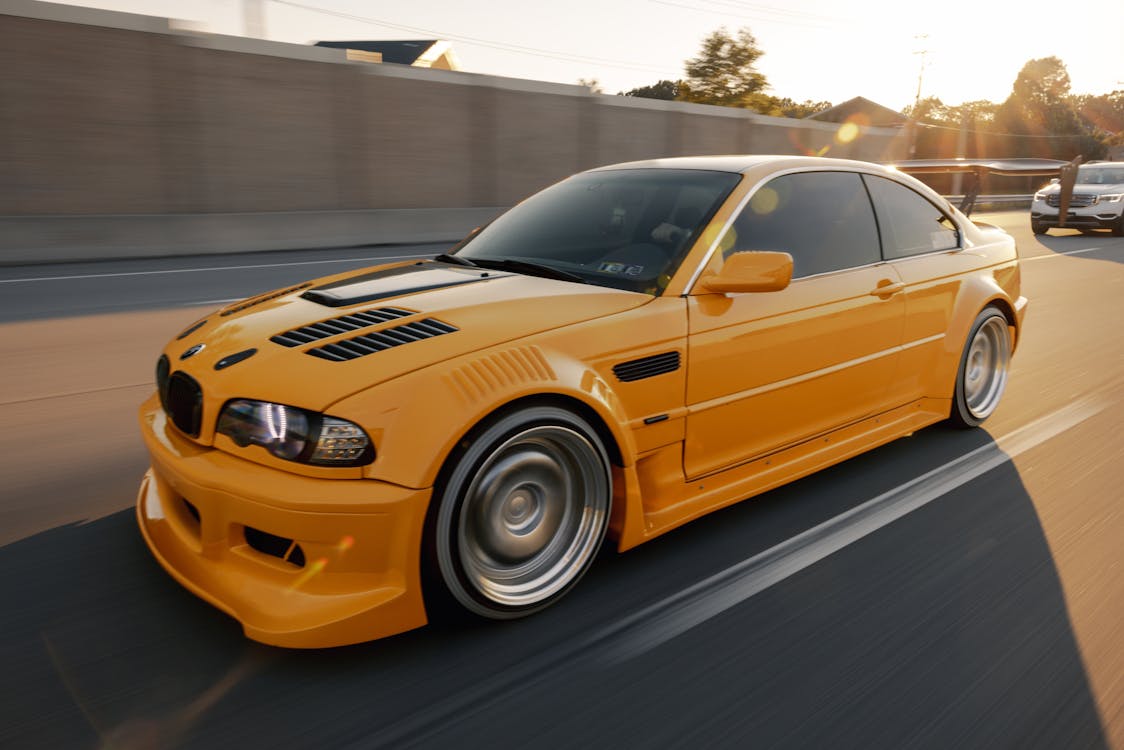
<point>751,271</point>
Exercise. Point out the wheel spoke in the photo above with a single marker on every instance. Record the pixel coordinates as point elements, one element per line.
<point>985,367</point>
<point>533,516</point>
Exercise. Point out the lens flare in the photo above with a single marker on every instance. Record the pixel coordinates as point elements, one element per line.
<point>847,132</point>
<point>311,571</point>
<point>346,543</point>
<point>851,128</point>
<point>764,201</point>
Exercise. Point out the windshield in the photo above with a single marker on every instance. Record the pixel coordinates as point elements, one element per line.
<point>628,229</point>
<point>1100,175</point>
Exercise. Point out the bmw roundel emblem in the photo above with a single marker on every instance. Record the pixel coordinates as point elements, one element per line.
<point>193,351</point>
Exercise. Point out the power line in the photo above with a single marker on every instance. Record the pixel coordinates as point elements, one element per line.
<point>826,23</point>
<point>503,46</point>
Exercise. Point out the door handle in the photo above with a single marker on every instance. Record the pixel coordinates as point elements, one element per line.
<point>887,288</point>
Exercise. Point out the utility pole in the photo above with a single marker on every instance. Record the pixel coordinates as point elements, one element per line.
<point>913,123</point>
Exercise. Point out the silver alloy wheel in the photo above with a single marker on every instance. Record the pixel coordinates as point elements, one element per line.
<point>532,518</point>
<point>985,367</point>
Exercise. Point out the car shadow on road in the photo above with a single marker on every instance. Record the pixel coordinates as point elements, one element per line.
<point>1091,245</point>
<point>947,628</point>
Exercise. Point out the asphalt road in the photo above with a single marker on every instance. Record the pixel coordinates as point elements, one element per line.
<point>951,589</point>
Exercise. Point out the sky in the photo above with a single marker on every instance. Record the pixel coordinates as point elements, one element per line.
<point>822,50</point>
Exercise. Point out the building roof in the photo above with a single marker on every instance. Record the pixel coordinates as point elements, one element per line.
<point>419,52</point>
<point>873,113</point>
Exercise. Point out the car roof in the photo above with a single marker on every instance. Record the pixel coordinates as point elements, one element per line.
<point>740,163</point>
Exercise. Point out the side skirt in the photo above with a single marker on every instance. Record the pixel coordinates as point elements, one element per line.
<point>659,500</point>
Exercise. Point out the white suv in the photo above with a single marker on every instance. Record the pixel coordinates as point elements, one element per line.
<point>1097,202</point>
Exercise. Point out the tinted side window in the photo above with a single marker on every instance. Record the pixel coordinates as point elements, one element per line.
<point>910,224</point>
<point>823,219</point>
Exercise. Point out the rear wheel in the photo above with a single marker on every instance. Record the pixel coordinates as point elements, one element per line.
<point>521,512</point>
<point>982,375</point>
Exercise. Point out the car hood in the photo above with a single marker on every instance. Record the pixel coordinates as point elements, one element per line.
<point>296,345</point>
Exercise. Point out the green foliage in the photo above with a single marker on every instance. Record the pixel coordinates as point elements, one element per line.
<point>666,90</point>
<point>592,84</point>
<point>723,72</point>
<point>785,107</point>
<point>1104,114</point>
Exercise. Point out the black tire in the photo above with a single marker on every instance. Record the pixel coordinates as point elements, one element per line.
<point>1118,228</point>
<point>518,515</point>
<point>981,377</point>
<point>1038,227</point>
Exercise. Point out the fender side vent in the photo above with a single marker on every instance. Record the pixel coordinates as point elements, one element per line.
<point>335,326</point>
<point>246,303</point>
<point>647,367</point>
<point>377,341</point>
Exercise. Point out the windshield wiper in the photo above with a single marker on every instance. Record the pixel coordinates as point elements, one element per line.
<point>455,260</point>
<point>526,267</point>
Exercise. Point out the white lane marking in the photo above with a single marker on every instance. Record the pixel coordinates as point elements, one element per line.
<point>671,617</point>
<point>213,302</point>
<point>216,268</point>
<point>68,394</point>
<point>1082,251</point>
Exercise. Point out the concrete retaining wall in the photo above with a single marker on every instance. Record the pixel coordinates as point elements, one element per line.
<point>121,135</point>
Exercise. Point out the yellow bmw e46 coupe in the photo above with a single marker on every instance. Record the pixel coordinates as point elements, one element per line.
<point>625,351</point>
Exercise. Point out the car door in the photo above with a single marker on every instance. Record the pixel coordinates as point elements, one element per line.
<point>922,243</point>
<point>769,370</point>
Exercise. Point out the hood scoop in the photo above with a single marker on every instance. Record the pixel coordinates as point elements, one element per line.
<point>394,282</point>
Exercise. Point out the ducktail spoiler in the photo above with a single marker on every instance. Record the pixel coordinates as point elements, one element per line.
<point>1065,171</point>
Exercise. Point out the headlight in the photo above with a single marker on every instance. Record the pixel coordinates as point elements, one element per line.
<point>1113,198</point>
<point>295,434</point>
<point>1039,196</point>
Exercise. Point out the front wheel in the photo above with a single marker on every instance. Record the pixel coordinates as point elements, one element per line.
<point>520,513</point>
<point>1038,227</point>
<point>1118,227</point>
<point>982,375</point>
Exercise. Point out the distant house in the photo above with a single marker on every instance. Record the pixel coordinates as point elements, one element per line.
<point>864,110</point>
<point>421,53</point>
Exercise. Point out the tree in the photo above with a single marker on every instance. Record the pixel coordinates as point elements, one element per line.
<point>1040,105</point>
<point>1103,114</point>
<point>1039,101</point>
<point>666,90</point>
<point>785,107</point>
<point>723,72</point>
<point>592,84</point>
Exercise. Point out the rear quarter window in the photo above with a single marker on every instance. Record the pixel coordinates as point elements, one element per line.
<point>909,223</point>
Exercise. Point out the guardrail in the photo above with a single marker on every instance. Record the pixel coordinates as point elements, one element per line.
<point>995,201</point>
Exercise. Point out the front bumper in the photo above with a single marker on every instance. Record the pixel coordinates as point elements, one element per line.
<point>1081,218</point>
<point>299,561</point>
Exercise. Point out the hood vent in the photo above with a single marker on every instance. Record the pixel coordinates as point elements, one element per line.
<point>335,326</point>
<point>647,367</point>
<point>377,341</point>
<point>262,298</point>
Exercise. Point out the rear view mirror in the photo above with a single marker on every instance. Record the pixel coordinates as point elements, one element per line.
<point>751,271</point>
